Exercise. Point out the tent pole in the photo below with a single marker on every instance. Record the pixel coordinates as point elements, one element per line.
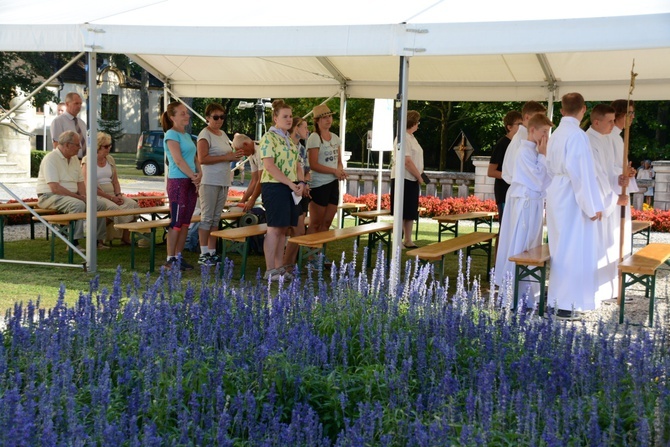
<point>91,166</point>
<point>343,132</point>
<point>399,185</point>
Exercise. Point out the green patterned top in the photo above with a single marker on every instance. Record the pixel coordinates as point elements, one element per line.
<point>284,153</point>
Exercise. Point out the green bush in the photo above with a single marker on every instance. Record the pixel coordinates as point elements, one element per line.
<point>35,160</point>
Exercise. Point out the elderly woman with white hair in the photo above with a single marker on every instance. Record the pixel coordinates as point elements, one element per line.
<point>109,189</point>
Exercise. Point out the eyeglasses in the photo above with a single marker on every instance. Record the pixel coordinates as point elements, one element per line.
<point>105,146</point>
<point>73,144</point>
<point>218,117</point>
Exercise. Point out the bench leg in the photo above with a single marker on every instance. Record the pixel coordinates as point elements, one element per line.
<point>245,251</point>
<point>518,271</point>
<point>152,250</point>
<point>651,299</point>
<point>622,296</point>
<point>2,237</point>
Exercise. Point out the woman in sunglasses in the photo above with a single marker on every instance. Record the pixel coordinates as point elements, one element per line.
<point>215,154</point>
<point>109,189</point>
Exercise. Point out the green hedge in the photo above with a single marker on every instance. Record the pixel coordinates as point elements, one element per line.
<point>35,160</point>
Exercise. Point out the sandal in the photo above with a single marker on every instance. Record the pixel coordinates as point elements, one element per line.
<point>410,246</point>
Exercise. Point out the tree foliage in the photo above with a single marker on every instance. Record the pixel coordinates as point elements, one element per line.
<point>25,71</point>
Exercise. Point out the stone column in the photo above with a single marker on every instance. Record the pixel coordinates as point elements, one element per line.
<point>662,184</point>
<point>483,183</point>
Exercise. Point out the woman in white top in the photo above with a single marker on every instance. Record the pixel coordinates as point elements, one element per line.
<point>215,154</point>
<point>109,189</point>
<point>413,180</point>
<point>325,162</point>
<point>646,172</point>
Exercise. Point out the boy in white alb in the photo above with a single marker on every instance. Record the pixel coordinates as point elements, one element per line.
<point>521,228</point>
<point>602,123</point>
<point>573,206</point>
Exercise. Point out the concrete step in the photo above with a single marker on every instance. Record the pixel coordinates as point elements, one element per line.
<point>13,175</point>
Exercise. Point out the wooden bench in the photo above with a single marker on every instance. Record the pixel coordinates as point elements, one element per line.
<point>239,240</point>
<point>365,217</point>
<point>4,214</point>
<point>641,268</point>
<point>449,223</point>
<point>66,222</point>
<point>17,205</point>
<point>139,230</point>
<point>312,244</point>
<point>348,209</point>
<point>438,250</point>
<point>642,228</point>
<point>531,265</point>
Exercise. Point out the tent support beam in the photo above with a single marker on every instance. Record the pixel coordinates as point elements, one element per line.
<point>148,67</point>
<point>552,85</point>
<point>328,65</point>
<point>399,165</point>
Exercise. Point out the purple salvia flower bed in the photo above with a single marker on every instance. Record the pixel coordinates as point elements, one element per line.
<point>333,359</point>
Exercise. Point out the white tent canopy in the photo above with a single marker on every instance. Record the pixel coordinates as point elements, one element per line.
<point>474,51</point>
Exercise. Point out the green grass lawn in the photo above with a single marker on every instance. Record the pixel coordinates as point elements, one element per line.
<point>28,282</point>
<point>125,165</point>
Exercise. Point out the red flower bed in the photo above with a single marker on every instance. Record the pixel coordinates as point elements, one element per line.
<point>434,206</point>
<point>660,218</point>
<point>148,203</point>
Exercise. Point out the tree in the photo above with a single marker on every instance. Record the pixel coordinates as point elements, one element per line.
<point>26,71</point>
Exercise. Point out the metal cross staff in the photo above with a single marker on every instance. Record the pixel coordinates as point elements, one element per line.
<point>626,139</point>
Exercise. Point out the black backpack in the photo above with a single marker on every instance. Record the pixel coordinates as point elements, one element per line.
<point>256,242</point>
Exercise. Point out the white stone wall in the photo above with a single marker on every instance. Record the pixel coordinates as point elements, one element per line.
<point>662,184</point>
<point>483,183</point>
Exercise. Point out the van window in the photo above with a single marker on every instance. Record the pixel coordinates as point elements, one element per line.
<point>154,140</point>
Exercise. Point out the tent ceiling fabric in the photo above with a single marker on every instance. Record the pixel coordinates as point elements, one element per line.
<point>468,52</point>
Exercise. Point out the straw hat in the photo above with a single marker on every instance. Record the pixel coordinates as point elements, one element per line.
<point>320,111</point>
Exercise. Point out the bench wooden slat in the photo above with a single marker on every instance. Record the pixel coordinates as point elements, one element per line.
<point>373,214</point>
<point>17,205</point>
<point>640,225</point>
<point>435,251</point>
<point>24,211</point>
<point>536,256</point>
<point>239,234</point>
<point>465,216</point>
<point>646,260</point>
<point>316,240</point>
<point>147,225</point>
<point>66,218</point>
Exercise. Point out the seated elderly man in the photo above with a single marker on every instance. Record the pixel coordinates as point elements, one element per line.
<point>60,183</point>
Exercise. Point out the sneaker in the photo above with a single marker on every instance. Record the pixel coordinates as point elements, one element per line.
<point>185,266</point>
<point>214,258</point>
<point>102,246</point>
<point>270,274</point>
<point>170,263</point>
<point>206,259</point>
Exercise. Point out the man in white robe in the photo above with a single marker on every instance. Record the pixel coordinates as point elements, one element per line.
<point>573,206</point>
<point>509,162</point>
<point>602,123</point>
<point>623,110</point>
<point>521,229</point>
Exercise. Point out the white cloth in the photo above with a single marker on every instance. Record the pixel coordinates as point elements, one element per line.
<point>414,151</point>
<point>509,162</point>
<point>572,199</point>
<point>617,144</point>
<point>608,233</point>
<point>647,174</point>
<point>521,228</point>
